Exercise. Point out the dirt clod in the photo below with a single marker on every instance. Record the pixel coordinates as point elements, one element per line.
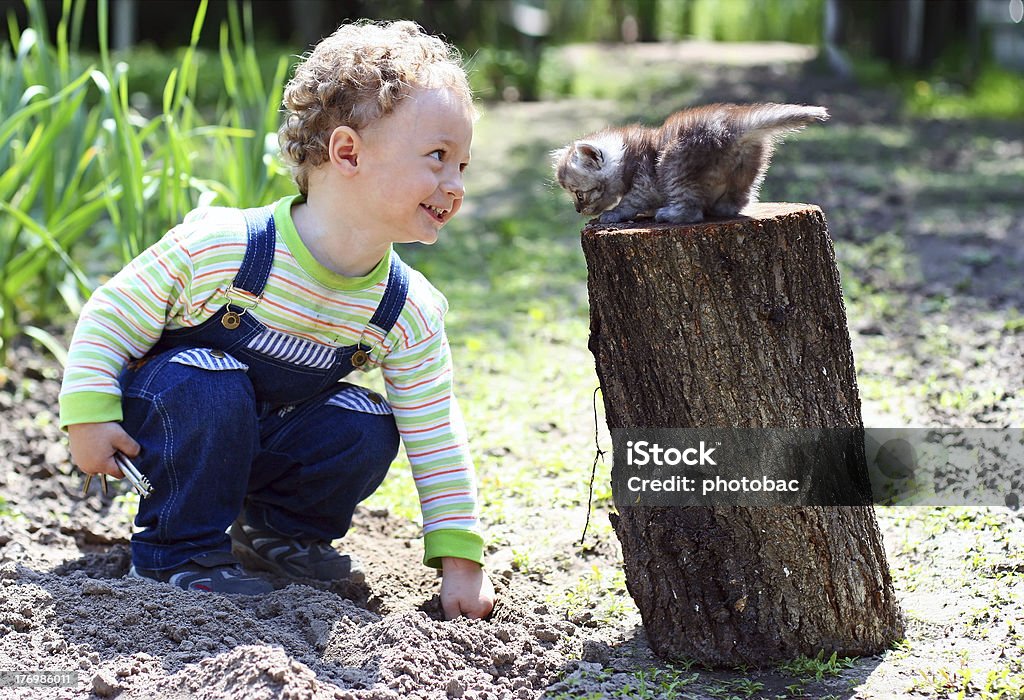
<point>104,684</point>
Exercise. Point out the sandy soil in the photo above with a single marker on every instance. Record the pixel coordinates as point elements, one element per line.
<point>64,605</point>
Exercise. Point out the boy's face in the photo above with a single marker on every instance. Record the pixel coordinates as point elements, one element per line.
<point>412,162</point>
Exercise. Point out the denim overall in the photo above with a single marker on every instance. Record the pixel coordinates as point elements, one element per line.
<point>232,415</point>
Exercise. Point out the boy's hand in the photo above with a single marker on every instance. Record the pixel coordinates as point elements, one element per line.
<point>465,589</point>
<point>93,446</point>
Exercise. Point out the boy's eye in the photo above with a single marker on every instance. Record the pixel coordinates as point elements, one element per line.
<point>438,154</point>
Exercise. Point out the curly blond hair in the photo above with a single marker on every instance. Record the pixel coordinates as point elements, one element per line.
<point>354,77</point>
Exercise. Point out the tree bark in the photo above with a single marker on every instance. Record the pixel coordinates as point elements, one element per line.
<point>737,323</point>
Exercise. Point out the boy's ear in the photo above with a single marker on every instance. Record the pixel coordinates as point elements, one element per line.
<point>343,149</point>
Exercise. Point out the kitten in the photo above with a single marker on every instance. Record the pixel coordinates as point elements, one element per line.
<point>706,160</point>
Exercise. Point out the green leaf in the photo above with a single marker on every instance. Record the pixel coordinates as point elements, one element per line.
<point>49,342</point>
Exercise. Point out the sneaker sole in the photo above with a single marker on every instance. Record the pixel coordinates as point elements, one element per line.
<point>257,589</point>
<point>251,559</point>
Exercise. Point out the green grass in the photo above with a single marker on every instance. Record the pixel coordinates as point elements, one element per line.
<point>818,667</point>
<point>8,511</point>
<point>946,93</point>
<point>970,551</point>
<point>996,93</point>
<point>128,505</point>
<point>662,683</point>
<point>966,682</point>
<point>599,595</point>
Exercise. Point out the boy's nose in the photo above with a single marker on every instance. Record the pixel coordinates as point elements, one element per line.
<point>454,186</point>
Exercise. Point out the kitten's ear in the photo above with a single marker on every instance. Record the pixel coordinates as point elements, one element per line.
<point>558,155</point>
<point>588,155</point>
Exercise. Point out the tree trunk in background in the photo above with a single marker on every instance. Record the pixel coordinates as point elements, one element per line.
<point>312,20</point>
<point>737,323</point>
<point>647,19</point>
<point>910,34</point>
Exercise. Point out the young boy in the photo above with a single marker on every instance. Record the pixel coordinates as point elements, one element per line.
<point>213,359</point>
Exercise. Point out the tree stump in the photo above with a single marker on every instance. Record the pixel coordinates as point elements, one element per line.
<point>737,323</point>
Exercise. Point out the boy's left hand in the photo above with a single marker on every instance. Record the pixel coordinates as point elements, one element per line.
<point>465,589</point>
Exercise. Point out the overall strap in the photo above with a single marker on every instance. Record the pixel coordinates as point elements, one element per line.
<point>393,301</point>
<point>259,251</point>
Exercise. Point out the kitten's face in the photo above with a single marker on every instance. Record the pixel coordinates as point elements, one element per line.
<point>588,172</point>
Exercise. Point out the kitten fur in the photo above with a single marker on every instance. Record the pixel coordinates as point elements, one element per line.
<point>703,161</point>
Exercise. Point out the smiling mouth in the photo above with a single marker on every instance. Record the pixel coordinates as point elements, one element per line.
<point>437,213</point>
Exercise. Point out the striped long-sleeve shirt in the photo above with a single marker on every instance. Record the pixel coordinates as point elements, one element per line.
<point>181,281</point>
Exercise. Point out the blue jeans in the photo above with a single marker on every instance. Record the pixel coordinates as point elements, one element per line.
<point>211,450</point>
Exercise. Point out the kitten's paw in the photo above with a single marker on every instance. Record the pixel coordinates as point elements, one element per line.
<point>676,214</point>
<point>727,210</point>
<point>614,217</point>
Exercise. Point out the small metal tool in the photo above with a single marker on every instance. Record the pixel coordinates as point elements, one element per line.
<point>88,481</point>
<point>136,478</point>
<point>138,481</point>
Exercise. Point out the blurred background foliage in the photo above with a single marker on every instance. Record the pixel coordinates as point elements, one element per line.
<point>509,42</point>
<point>117,117</point>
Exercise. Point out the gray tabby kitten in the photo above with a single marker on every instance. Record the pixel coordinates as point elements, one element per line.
<point>701,161</point>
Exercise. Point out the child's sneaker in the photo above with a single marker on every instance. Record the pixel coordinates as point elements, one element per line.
<point>295,558</point>
<point>216,572</point>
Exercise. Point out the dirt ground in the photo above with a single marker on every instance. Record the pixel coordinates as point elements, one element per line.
<point>64,606</point>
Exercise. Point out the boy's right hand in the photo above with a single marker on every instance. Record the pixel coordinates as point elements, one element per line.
<point>93,446</point>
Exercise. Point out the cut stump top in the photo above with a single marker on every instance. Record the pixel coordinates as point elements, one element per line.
<point>755,213</point>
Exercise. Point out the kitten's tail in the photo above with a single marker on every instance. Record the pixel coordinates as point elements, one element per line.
<point>758,121</point>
